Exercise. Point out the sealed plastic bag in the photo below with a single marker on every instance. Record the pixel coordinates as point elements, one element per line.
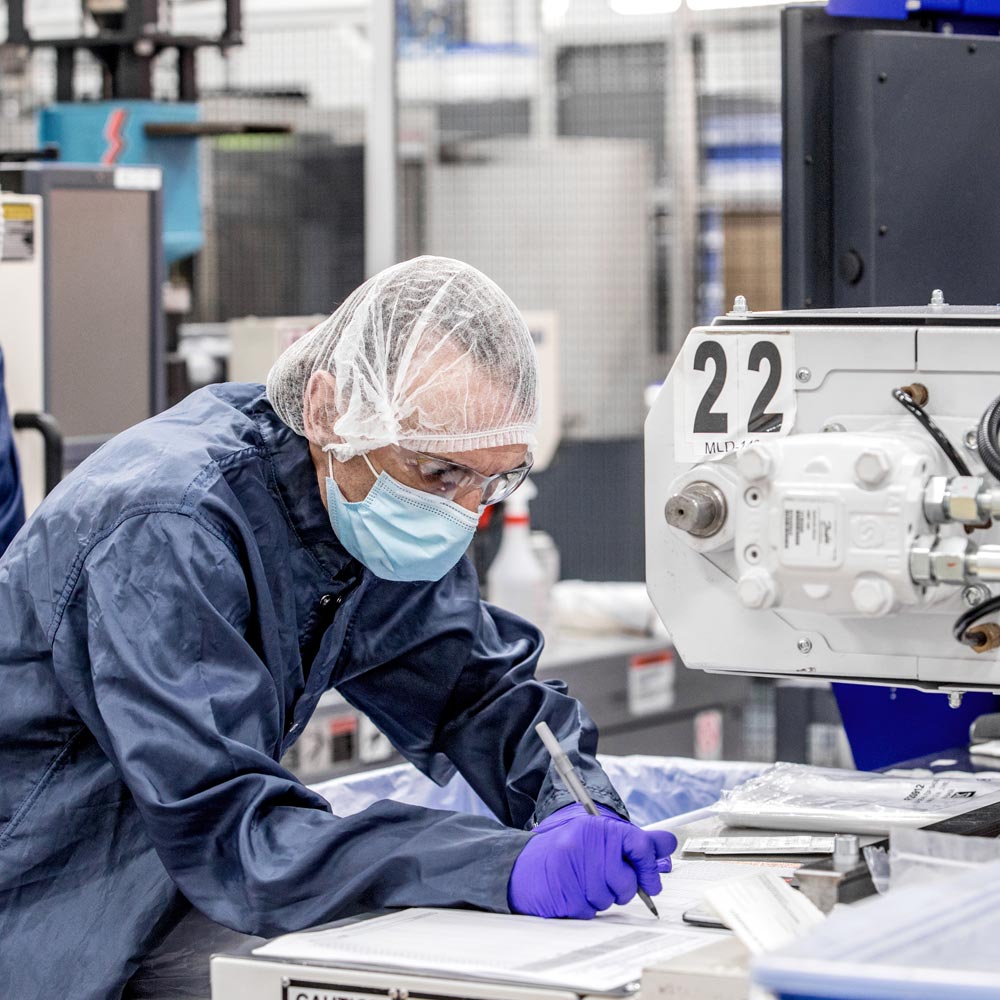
<point>821,799</point>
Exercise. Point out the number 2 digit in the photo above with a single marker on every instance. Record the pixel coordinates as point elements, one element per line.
<point>705,421</point>
<point>761,422</point>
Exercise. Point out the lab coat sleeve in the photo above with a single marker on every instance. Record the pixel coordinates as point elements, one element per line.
<point>185,705</point>
<point>490,730</point>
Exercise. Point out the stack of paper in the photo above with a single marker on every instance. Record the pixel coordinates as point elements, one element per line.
<point>586,955</point>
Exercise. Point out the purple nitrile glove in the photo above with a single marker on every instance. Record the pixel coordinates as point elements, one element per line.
<point>576,864</point>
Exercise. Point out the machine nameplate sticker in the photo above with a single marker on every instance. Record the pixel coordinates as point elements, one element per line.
<point>138,178</point>
<point>733,390</point>
<point>18,231</point>
<point>810,533</point>
<point>301,990</point>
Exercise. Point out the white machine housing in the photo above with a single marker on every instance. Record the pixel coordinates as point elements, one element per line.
<point>811,571</point>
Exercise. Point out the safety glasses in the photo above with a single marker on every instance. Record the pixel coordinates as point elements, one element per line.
<point>451,480</point>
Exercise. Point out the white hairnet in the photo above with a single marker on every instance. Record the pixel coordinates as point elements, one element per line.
<point>429,353</point>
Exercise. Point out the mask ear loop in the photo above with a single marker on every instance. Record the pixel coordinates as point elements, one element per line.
<point>328,448</point>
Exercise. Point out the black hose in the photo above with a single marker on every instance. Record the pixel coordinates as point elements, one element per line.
<point>965,619</point>
<point>935,432</point>
<point>986,438</point>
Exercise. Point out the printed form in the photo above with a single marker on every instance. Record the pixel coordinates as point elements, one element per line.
<point>596,955</point>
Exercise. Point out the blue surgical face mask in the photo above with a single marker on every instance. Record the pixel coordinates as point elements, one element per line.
<point>398,532</point>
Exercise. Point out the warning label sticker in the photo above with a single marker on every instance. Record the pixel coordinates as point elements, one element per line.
<point>18,231</point>
<point>810,533</point>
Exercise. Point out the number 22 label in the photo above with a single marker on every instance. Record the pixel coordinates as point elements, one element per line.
<point>733,389</point>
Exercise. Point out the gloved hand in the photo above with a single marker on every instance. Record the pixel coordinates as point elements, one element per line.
<point>576,864</point>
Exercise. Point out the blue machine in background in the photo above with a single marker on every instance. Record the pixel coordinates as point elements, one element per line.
<point>119,133</point>
<point>900,10</point>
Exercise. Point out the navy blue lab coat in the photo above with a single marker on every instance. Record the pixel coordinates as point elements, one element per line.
<point>168,621</point>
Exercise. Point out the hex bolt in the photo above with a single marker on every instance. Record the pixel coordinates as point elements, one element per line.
<point>754,462</point>
<point>955,699</point>
<point>971,436</point>
<point>873,595</point>
<point>739,310</point>
<point>757,589</point>
<point>937,299</point>
<point>804,645</point>
<point>803,375</point>
<point>872,467</point>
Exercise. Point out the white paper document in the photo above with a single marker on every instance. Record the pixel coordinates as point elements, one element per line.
<point>596,955</point>
<point>763,911</point>
<point>599,955</point>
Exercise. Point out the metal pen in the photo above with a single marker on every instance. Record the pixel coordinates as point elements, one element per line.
<point>572,781</point>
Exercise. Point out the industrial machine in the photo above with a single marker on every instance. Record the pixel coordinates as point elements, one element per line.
<point>820,495</point>
<point>81,272</point>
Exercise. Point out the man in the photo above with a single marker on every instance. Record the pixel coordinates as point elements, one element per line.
<point>172,614</point>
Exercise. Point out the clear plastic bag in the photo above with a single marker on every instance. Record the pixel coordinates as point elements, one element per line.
<point>800,797</point>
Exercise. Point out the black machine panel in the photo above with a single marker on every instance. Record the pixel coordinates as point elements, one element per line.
<point>891,135</point>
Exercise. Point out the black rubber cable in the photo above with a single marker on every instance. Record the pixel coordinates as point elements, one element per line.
<point>935,432</point>
<point>986,438</point>
<point>965,619</point>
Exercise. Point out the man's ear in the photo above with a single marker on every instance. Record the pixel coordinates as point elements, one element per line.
<point>318,407</point>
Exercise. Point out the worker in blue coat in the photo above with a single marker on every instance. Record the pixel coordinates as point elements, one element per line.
<point>173,612</point>
<point>11,495</point>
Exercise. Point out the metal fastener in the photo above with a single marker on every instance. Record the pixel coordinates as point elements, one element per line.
<point>970,438</point>
<point>834,428</point>
<point>955,699</point>
<point>739,310</point>
<point>975,594</point>
<point>804,645</point>
<point>803,375</point>
<point>937,299</point>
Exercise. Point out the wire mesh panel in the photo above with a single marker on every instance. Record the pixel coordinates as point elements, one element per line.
<point>587,154</point>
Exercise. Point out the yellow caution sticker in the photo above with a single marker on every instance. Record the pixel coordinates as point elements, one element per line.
<point>16,211</point>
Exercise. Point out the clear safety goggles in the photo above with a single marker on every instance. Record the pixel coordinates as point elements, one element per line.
<point>453,481</point>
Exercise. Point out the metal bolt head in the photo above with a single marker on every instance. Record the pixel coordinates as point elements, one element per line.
<point>757,589</point>
<point>739,310</point>
<point>955,699</point>
<point>803,375</point>
<point>873,595</point>
<point>872,467</point>
<point>975,594</point>
<point>804,645</point>
<point>937,299</point>
<point>970,438</point>
<point>834,428</point>
<point>754,462</point>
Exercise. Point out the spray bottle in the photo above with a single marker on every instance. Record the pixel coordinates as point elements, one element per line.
<point>516,580</point>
